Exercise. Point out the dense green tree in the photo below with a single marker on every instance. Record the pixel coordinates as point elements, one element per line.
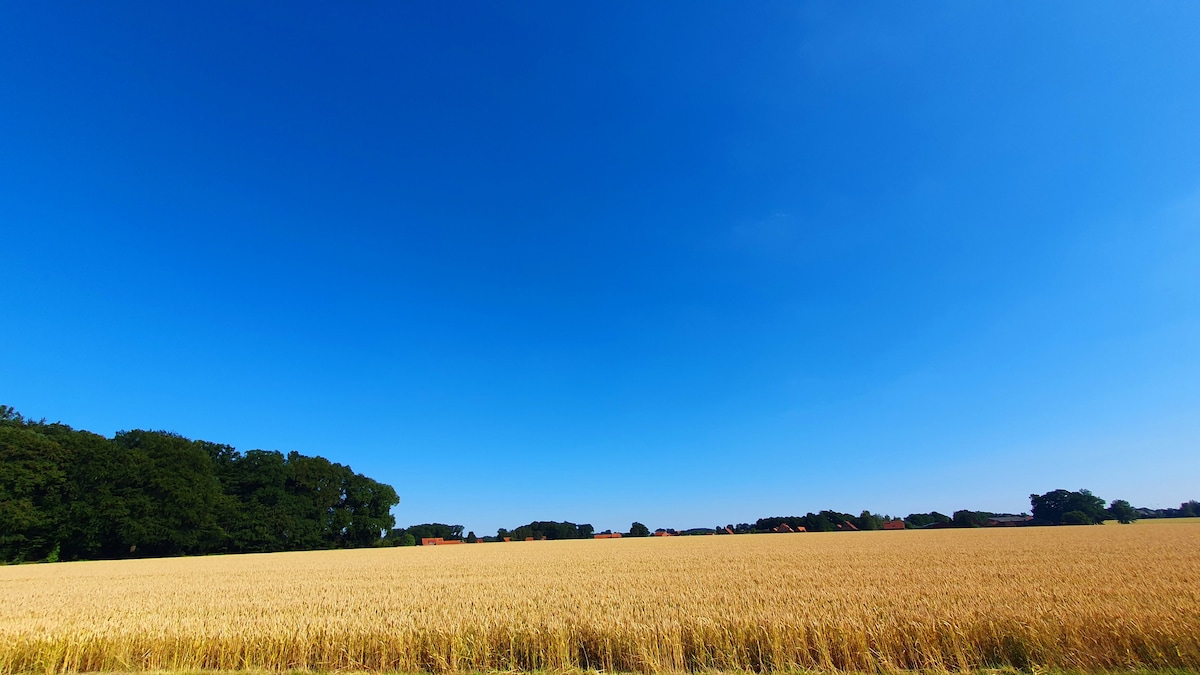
<point>1122,512</point>
<point>1052,506</point>
<point>868,521</point>
<point>638,530</point>
<point>369,504</point>
<point>924,519</point>
<point>399,537</point>
<point>180,493</point>
<point>967,518</point>
<point>434,530</point>
<point>1076,518</point>
<point>33,489</point>
<point>552,530</point>
<point>76,495</point>
<point>106,497</point>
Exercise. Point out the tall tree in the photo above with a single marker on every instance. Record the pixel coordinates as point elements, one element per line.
<point>1121,511</point>
<point>1053,505</point>
<point>75,495</point>
<point>33,487</point>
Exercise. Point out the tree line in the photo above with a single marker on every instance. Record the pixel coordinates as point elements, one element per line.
<point>1057,507</point>
<point>68,494</point>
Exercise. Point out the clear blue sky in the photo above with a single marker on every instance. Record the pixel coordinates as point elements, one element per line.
<point>684,263</point>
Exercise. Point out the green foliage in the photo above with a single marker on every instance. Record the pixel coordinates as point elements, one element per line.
<point>1121,511</point>
<point>638,530</point>
<point>1053,506</point>
<point>552,530</point>
<point>1076,518</point>
<point>432,530</point>
<point>75,495</point>
<point>33,491</point>
<point>868,521</point>
<point>965,518</point>
<point>825,521</point>
<point>923,519</point>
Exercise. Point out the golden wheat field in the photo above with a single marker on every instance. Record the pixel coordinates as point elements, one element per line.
<point>1088,598</point>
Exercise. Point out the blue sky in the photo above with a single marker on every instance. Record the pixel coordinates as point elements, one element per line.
<point>687,264</point>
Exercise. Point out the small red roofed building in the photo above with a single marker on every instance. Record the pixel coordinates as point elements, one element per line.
<point>894,525</point>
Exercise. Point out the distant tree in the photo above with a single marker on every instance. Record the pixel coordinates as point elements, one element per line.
<point>966,518</point>
<point>1054,505</point>
<point>1122,512</point>
<point>638,530</point>
<point>435,530</point>
<point>868,521</point>
<point>552,530</point>
<point>1076,518</point>
<point>471,538</point>
<point>923,519</point>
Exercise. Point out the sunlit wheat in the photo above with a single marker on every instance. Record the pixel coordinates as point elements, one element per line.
<point>1082,598</point>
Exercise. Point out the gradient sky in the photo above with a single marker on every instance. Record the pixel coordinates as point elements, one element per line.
<point>683,263</point>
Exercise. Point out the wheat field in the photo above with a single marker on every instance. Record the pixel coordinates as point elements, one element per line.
<point>1085,598</point>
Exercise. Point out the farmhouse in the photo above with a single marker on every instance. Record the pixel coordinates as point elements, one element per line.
<point>438,541</point>
<point>894,525</point>
<point>1008,521</point>
<point>608,535</point>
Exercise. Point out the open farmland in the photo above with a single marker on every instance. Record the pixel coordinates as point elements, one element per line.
<point>1086,598</point>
